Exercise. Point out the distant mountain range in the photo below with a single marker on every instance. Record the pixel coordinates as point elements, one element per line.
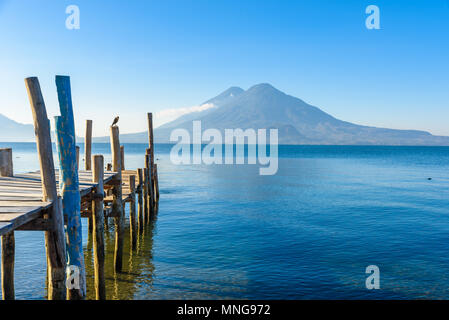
<point>263,106</point>
<point>12,131</point>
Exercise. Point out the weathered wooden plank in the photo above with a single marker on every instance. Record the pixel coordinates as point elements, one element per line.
<point>38,224</point>
<point>14,220</point>
<point>19,210</point>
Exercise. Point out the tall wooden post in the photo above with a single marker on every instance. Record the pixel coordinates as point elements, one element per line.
<point>8,242</point>
<point>88,146</point>
<point>98,222</point>
<point>156,190</point>
<point>122,155</point>
<point>8,252</point>
<point>132,211</point>
<point>150,197</point>
<point>54,238</point>
<point>146,208</point>
<point>150,135</point>
<point>152,165</point>
<point>117,204</point>
<point>77,150</point>
<point>69,186</point>
<point>140,192</point>
<point>156,177</point>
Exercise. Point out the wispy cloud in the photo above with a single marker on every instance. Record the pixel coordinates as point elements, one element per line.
<point>168,115</point>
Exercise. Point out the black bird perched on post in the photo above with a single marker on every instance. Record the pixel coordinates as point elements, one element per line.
<point>115,121</point>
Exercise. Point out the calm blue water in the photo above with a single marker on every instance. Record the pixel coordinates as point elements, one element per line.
<point>308,232</point>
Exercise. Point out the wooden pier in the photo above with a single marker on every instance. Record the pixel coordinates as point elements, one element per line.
<point>50,198</point>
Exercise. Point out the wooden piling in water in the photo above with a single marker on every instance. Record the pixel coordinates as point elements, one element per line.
<point>155,187</point>
<point>77,150</point>
<point>122,156</point>
<point>117,205</point>
<point>146,208</point>
<point>150,184</point>
<point>88,162</point>
<point>88,146</point>
<point>6,166</point>
<point>8,242</point>
<point>132,212</point>
<point>140,194</point>
<point>54,238</point>
<point>98,230</point>
<point>8,252</point>
<point>65,133</point>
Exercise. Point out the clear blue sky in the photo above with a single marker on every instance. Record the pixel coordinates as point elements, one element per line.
<point>130,57</point>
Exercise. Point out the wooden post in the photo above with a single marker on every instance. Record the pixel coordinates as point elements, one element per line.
<point>69,186</point>
<point>132,211</point>
<point>6,166</point>
<point>156,177</point>
<point>140,183</point>
<point>150,197</point>
<point>152,165</point>
<point>8,251</point>
<point>98,222</point>
<point>77,148</point>
<point>150,135</point>
<point>109,167</point>
<point>122,155</point>
<point>8,242</point>
<point>146,209</point>
<point>88,146</point>
<point>54,238</point>
<point>117,205</point>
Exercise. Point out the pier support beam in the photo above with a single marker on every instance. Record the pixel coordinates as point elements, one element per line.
<point>77,148</point>
<point>88,162</point>
<point>140,193</point>
<point>8,251</point>
<point>132,212</point>
<point>8,242</point>
<point>98,223</point>
<point>6,167</point>
<point>150,196</point>
<point>69,186</point>
<point>146,203</point>
<point>54,239</point>
<point>122,156</point>
<point>117,204</point>
<point>154,178</point>
<point>156,188</point>
<point>88,146</point>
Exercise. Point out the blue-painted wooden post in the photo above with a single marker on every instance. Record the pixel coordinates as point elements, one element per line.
<point>69,186</point>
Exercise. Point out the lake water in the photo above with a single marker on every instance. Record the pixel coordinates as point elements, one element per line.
<point>308,232</point>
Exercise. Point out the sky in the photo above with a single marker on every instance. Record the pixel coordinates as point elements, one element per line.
<point>168,57</point>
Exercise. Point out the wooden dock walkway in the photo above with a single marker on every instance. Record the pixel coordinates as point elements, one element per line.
<point>49,199</point>
<point>21,197</point>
